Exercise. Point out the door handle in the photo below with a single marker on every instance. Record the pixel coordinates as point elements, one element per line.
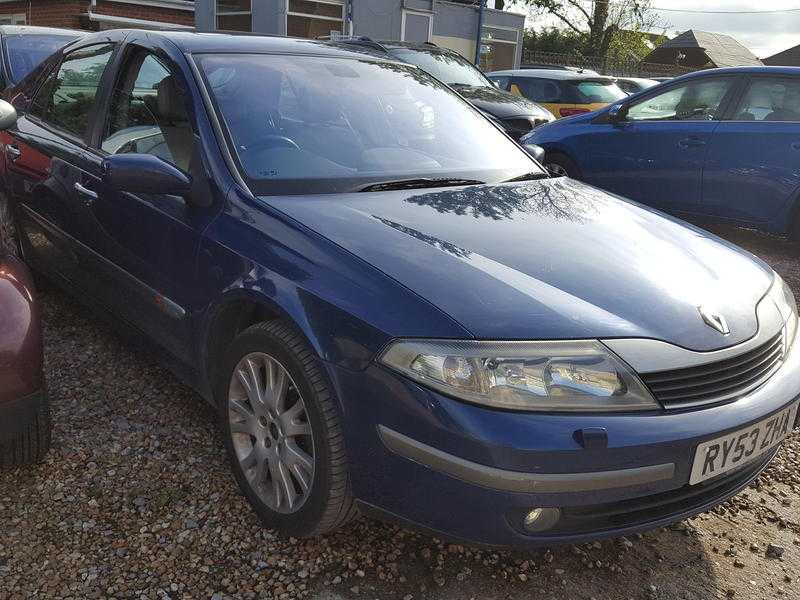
<point>691,142</point>
<point>89,196</point>
<point>12,152</point>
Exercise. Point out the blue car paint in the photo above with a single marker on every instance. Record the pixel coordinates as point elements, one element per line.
<point>544,259</point>
<point>742,171</point>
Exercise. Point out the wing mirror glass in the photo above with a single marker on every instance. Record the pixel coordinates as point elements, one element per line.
<point>8,115</point>
<point>144,174</point>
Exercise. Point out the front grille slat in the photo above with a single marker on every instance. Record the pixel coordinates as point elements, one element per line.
<point>730,374</point>
<point>717,382</point>
<point>723,365</point>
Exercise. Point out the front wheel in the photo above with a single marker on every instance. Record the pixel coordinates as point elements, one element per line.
<point>283,432</point>
<point>561,165</point>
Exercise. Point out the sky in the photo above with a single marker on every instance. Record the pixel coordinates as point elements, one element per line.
<point>765,33</point>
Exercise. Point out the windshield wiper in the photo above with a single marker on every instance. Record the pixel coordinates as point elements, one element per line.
<point>419,182</point>
<point>529,177</point>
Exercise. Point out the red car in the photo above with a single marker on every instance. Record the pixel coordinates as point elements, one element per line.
<point>24,408</point>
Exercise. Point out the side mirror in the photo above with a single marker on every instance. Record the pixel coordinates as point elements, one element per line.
<point>144,174</point>
<point>536,152</point>
<point>616,113</point>
<point>8,115</point>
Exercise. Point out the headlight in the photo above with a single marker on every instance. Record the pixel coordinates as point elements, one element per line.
<point>536,376</point>
<point>781,294</point>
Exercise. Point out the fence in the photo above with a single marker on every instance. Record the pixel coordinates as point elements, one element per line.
<point>605,66</point>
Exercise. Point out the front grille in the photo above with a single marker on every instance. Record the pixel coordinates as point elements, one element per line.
<point>717,382</point>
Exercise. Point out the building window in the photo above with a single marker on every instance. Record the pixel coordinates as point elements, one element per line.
<point>416,26</point>
<point>498,48</point>
<point>17,19</point>
<point>314,18</point>
<point>234,15</point>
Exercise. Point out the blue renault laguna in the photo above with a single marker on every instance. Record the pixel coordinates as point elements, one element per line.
<point>391,306</point>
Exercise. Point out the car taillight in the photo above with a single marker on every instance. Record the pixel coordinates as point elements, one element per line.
<point>568,112</point>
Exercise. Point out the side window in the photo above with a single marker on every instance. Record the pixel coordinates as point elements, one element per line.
<point>692,101</point>
<point>501,81</point>
<point>149,113</point>
<point>67,96</point>
<point>538,90</point>
<point>770,99</point>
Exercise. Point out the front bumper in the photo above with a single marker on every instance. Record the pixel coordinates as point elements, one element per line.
<point>480,470</point>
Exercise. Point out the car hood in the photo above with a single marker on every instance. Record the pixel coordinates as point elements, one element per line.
<point>547,259</point>
<point>499,103</point>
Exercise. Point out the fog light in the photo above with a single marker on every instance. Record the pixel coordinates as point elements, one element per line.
<point>541,519</point>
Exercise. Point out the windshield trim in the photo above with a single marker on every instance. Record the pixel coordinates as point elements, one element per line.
<point>261,187</point>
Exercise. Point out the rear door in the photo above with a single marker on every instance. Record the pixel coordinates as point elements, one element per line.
<point>655,155</point>
<point>751,172</point>
<point>49,161</point>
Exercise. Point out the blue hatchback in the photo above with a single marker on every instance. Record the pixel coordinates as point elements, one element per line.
<point>392,307</point>
<point>722,143</point>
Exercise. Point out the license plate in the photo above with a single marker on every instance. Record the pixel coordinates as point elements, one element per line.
<point>733,450</point>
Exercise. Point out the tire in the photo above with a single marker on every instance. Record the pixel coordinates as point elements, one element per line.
<point>561,165</point>
<point>8,231</point>
<point>269,443</point>
<point>30,445</point>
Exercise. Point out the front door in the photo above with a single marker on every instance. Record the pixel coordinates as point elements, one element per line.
<point>145,245</point>
<point>655,155</point>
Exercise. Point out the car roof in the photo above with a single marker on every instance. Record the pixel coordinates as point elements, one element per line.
<point>792,71</point>
<point>190,42</point>
<point>637,79</point>
<point>35,30</point>
<point>550,74</point>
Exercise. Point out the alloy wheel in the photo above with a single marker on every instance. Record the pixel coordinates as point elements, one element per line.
<point>556,169</point>
<point>271,433</point>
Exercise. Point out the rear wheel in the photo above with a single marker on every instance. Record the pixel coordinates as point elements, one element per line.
<point>32,442</point>
<point>561,165</point>
<point>283,432</point>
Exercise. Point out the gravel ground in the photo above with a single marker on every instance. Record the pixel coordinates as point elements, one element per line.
<point>136,501</point>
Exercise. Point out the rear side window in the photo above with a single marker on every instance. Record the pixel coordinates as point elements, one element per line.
<point>770,99</point>
<point>591,92</point>
<point>538,90</point>
<point>66,99</point>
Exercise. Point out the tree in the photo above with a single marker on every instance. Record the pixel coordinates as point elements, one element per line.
<point>600,21</point>
<point>556,40</point>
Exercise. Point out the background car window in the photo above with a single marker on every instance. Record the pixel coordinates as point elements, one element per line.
<point>692,101</point>
<point>538,90</point>
<point>26,52</point>
<point>770,99</point>
<point>301,124</point>
<point>447,67</point>
<point>66,99</point>
<point>501,81</point>
<point>591,92</point>
<point>148,114</point>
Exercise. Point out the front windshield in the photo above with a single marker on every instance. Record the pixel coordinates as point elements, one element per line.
<point>311,124</point>
<point>449,68</point>
<point>26,52</point>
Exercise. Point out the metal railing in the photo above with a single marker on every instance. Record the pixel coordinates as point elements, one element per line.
<point>604,66</point>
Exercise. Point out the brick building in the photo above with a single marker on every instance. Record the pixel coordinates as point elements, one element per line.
<point>446,23</point>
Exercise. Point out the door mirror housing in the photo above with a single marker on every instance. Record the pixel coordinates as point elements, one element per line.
<point>535,152</point>
<point>8,115</point>
<point>144,174</point>
<point>617,113</point>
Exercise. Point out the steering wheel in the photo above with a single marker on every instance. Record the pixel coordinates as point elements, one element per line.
<point>279,141</point>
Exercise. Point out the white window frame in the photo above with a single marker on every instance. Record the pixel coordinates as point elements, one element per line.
<point>421,13</point>
<point>319,17</point>
<point>14,19</point>
<point>231,13</point>
<point>498,41</point>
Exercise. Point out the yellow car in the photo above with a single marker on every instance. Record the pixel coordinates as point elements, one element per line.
<point>564,92</point>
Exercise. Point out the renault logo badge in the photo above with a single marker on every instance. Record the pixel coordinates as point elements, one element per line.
<point>713,319</point>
